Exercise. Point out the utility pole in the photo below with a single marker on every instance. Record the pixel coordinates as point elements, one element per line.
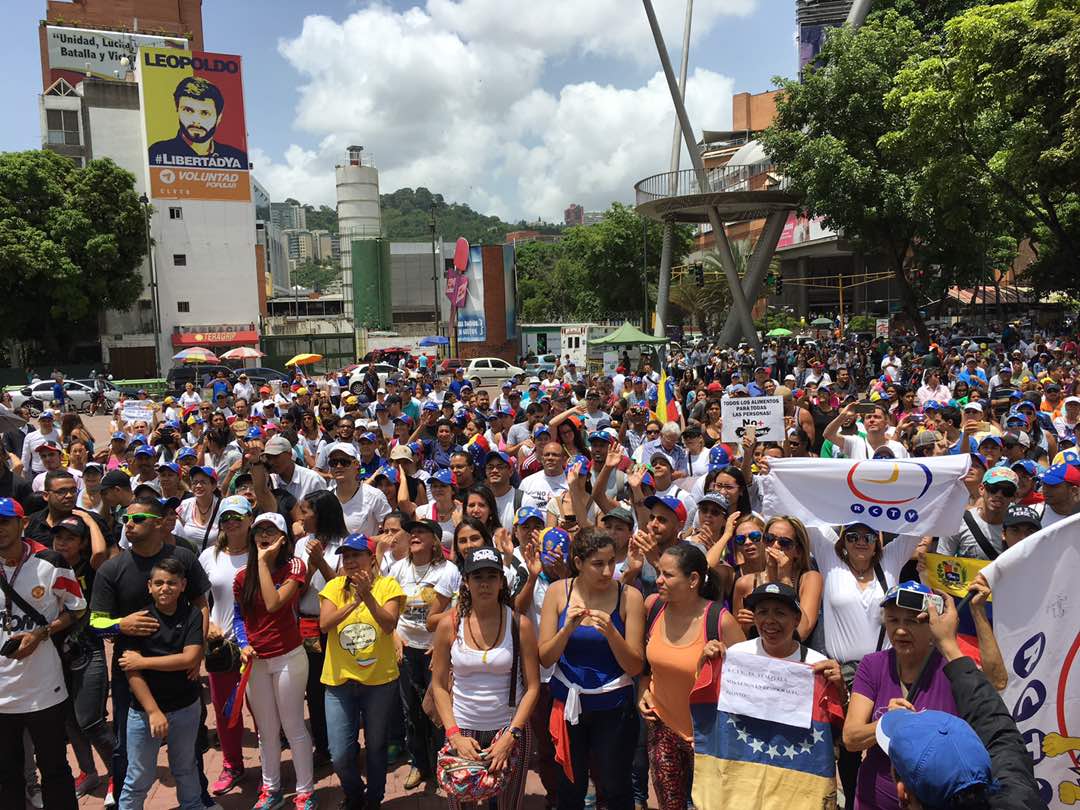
<point>158,368</point>
<point>435,268</point>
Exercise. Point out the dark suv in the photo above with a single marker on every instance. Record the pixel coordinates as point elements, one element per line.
<point>180,376</point>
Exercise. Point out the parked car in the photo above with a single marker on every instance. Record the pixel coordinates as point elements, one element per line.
<point>79,395</point>
<point>356,379</point>
<point>540,364</point>
<point>260,375</point>
<point>448,365</point>
<point>487,371</point>
<point>180,376</point>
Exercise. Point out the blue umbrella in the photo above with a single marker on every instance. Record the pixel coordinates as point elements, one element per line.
<point>434,340</point>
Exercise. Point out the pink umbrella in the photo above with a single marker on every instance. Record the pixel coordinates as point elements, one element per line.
<point>242,353</point>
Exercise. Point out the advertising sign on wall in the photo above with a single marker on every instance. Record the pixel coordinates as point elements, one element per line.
<point>472,322</point>
<point>799,229</point>
<point>193,119</point>
<point>98,53</point>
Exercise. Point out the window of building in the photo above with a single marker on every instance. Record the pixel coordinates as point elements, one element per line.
<point>179,260</point>
<point>63,126</point>
<point>183,306</point>
<point>176,212</point>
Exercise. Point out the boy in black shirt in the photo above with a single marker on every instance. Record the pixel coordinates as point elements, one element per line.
<point>164,701</point>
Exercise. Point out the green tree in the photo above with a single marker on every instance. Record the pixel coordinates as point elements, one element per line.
<point>71,243</point>
<point>995,112</point>
<point>323,218</point>
<point>316,276</point>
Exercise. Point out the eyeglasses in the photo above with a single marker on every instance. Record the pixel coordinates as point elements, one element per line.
<point>860,538</point>
<point>137,517</point>
<point>749,537</point>
<point>66,492</point>
<point>783,542</point>
<point>340,462</point>
<point>1000,489</point>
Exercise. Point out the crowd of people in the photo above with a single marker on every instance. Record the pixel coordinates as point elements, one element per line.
<point>491,582</point>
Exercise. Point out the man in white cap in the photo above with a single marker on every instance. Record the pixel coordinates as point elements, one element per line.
<point>45,433</point>
<point>286,473</point>
<point>243,388</point>
<point>1065,423</point>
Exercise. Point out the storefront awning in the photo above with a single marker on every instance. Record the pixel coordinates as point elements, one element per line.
<point>245,337</point>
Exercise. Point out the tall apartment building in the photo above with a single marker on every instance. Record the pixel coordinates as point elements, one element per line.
<point>288,216</point>
<point>574,215</point>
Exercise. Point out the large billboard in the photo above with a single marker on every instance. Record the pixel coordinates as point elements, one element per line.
<point>88,52</point>
<point>193,121</point>
<point>472,320</point>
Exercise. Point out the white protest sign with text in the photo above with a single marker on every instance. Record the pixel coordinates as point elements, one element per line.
<point>765,414</point>
<point>769,689</point>
<point>138,410</point>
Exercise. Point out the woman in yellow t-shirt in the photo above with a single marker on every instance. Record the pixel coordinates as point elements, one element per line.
<point>358,612</point>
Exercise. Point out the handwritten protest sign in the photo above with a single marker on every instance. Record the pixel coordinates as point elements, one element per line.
<point>765,414</point>
<point>767,688</point>
<point>136,410</point>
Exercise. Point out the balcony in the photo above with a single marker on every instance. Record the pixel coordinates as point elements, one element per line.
<point>741,191</point>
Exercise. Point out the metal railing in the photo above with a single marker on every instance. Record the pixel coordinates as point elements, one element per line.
<point>722,179</point>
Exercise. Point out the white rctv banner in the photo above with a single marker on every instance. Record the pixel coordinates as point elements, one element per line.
<point>923,496</point>
<point>1037,625</point>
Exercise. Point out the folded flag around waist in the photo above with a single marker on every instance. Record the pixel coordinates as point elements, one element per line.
<point>235,704</point>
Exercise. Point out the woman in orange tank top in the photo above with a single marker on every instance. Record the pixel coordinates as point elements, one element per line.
<point>677,644</point>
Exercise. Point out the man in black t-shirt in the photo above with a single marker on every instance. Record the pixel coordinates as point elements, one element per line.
<point>165,702</point>
<point>120,601</point>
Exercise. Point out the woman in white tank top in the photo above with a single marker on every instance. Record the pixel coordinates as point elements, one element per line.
<point>492,692</point>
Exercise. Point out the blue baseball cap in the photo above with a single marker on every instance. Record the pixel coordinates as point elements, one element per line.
<point>1027,465</point>
<point>1025,403</point>
<point>718,458</point>
<point>936,755</point>
<point>173,423</point>
<point>169,465</point>
<point>445,477</point>
<point>380,407</point>
<point>932,405</point>
<point>186,452</point>
<point>235,504</point>
<point>990,437</point>
<point>144,450</point>
<point>540,430</point>
<point>138,438</point>
<point>498,454</point>
<point>910,585</point>
<point>528,513</point>
<point>206,470</point>
<point>600,436</point>
<point>674,504</point>
<point>10,508</point>
<point>254,433</point>
<point>119,436</point>
<point>1015,420</point>
<point>367,437</point>
<point>979,458</point>
<point>388,472</point>
<point>1061,474</point>
<point>430,406</point>
<point>551,540</point>
<point>357,542</point>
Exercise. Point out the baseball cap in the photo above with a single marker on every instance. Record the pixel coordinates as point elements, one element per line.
<point>46,414</point>
<point>348,448</point>
<point>909,585</point>
<point>718,458</point>
<point>278,445</point>
<point>273,518</point>
<point>1019,436</point>
<point>716,498</point>
<point>53,447</point>
<point>1020,515</point>
<point>10,508</point>
<point>115,478</point>
<point>444,477</point>
<point>430,406</point>
<point>206,470</point>
<point>668,502</point>
<point>144,450</point>
<point>254,433</point>
<point>738,388</point>
<point>528,513</point>
<point>172,466</point>
<point>357,542</point>
<point>367,436</point>
<point>401,451</point>
<point>1061,474</point>
<point>553,539</point>
<point>387,472</point>
<point>119,436</point>
<point>925,438</point>
<point>620,513</point>
<point>70,524</point>
<point>499,454</point>
<point>234,504</point>
<point>773,590</point>
<point>186,452</point>
<point>600,436</point>
<point>540,430</point>
<point>935,754</point>
<point>974,406</point>
<point>1025,464</point>
<point>1071,400</point>
<point>424,525</point>
<point>480,559</point>
<point>978,458</point>
<point>990,437</point>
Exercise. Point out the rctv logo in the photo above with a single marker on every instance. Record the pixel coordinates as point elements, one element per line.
<point>883,487</point>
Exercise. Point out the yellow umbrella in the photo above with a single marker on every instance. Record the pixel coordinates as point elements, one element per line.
<point>304,360</point>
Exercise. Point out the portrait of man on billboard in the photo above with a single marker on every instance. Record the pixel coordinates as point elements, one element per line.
<point>199,109</point>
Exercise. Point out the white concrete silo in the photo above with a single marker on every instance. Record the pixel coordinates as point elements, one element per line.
<point>359,213</point>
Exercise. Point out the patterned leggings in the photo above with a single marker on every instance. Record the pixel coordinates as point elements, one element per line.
<point>513,792</point>
<point>671,760</point>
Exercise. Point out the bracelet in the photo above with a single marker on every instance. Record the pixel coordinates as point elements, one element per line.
<point>450,732</point>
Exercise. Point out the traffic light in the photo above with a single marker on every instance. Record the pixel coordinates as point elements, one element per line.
<point>699,274</point>
<point>779,283</point>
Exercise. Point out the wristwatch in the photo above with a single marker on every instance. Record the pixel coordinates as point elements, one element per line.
<point>516,732</point>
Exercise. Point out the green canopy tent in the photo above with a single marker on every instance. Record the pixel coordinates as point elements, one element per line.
<point>821,322</point>
<point>628,335</point>
<point>778,332</point>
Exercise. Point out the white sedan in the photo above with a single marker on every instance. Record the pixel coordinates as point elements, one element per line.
<point>488,371</point>
<point>384,370</point>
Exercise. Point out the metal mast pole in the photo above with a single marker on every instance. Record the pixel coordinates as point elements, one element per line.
<point>664,288</point>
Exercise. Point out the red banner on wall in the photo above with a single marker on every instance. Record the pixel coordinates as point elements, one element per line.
<point>243,338</point>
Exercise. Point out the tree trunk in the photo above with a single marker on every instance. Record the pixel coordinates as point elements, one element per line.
<point>908,301</point>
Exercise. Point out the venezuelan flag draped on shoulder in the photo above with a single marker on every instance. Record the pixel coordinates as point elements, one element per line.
<point>667,403</point>
<point>743,763</point>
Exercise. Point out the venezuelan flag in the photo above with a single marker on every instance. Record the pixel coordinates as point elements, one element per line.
<point>953,575</point>
<point>667,407</point>
<point>742,763</point>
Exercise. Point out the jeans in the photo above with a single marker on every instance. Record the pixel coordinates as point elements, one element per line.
<point>46,729</point>
<point>142,756</point>
<point>423,739</point>
<point>86,724</point>
<point>607,738</point>
<point>316,699</point>
<point>121,702</point>
<point>345,705</point>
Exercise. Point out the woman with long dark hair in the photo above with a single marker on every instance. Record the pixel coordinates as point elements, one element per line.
<point>678,636</point>
<point>323,522</point>
<point>265,620</point>
<point>493,655</point>
<point>480,504</point>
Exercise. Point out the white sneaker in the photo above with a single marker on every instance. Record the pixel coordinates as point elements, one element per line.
<point>33,795</point>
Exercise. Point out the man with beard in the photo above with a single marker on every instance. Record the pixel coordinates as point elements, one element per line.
<point>199,108</point>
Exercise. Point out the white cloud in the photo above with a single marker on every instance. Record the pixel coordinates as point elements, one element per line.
<point>450,97</point>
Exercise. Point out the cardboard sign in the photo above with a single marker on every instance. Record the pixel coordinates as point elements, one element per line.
<point>767,688</point>
<point>766,414</point>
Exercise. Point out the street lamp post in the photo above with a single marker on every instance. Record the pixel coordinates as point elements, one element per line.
<point>154,302</point>
<point>435,269</point>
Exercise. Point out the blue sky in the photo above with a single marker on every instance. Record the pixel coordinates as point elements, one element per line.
<point>492,102</point>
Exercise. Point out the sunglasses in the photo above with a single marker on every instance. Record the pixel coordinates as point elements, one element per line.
<point>860,538</point>
<point>230,517</point>
<point>1001,489</point>
<point>783,542</point>
<point>749,537</point>
<point>340,462</point>
<point>138,517</point>
<point>652,432</point>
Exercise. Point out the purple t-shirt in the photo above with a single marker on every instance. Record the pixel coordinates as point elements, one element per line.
<point>877,679</point>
